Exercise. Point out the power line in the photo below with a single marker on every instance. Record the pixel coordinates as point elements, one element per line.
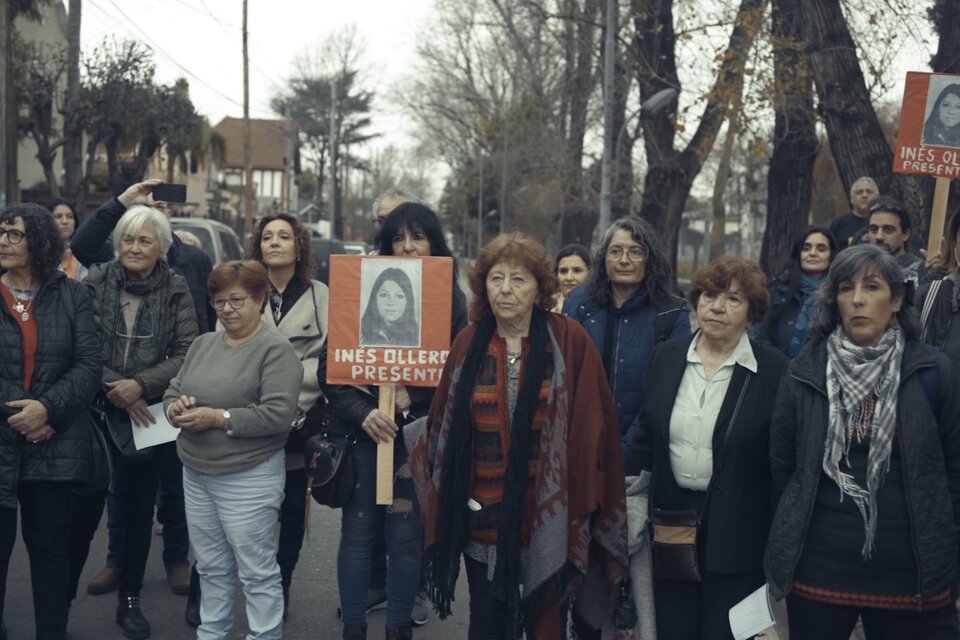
<point>169,57</point>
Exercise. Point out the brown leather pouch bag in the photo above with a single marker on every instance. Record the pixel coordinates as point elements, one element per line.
<point>675,546</point>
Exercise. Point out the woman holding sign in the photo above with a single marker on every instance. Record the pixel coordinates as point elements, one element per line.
<point>517,465</point>
<point>147,322</point>
<point>865,460</point>
<point>411,230</point>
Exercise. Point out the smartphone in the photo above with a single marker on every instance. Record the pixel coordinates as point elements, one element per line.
<point>166,192</point>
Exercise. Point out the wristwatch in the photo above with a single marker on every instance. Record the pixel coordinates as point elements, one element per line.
<point>227,425</point>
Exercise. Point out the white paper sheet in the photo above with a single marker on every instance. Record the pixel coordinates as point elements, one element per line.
<point>155,434</point>
<point>752,615</point>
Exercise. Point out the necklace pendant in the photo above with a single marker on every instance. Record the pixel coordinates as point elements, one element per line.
<point>25,316</point>
<point>19,307</point>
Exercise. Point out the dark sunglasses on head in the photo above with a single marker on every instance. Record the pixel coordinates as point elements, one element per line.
<point>886,205</point>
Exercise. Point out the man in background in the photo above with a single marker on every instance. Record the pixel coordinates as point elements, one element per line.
<point>848,227</point>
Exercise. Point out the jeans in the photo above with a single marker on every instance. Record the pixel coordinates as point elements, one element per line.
<point>292,521</point>
<point>169,501</point>
<point>820,621</point>
<point>232,520</point>
<point>402,530</point>
<point>45,524</point>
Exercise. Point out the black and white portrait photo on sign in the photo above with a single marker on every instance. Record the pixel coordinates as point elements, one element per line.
<point>390,295</point>
<point>942,124</point>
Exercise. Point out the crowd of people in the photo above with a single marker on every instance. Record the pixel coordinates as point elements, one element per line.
<point>595,442</point>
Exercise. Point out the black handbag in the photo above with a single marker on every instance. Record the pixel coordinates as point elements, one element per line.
<point>101,456</point>
<point>675,533</point>
<point>331,469</point>
<point>120,431</point>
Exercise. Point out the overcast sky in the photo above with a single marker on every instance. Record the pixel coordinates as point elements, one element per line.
<point>204,37</point>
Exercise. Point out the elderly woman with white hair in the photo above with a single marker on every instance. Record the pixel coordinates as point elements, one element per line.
<point>147,322</point>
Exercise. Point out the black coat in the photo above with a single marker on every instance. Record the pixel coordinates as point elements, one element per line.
<point>65,379</point>
<point>777,328</point>
<point>91,245</point>
<point>738,516</point>
<point>929,450</point>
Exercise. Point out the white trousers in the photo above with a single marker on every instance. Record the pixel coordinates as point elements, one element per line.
<point>233,520</point>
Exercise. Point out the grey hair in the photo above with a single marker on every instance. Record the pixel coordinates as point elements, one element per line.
<point>848,264</point>
<point>133,220</point>
<point>394,192</point>
<point>657,278</point>
<point>864,179</point>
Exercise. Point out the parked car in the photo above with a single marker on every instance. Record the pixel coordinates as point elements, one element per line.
<point>219,241</point>
<point>355,248</point>
<point>322,249</point>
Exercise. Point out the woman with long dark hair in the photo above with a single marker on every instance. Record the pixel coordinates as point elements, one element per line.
<point>943,126</point>
<point>792,294</point>
<point>65,215</point>
<point>390,317</point>
<point>412,229</point>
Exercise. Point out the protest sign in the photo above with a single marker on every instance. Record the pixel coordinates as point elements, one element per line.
<point>389,319</point>
<point>928,142</point>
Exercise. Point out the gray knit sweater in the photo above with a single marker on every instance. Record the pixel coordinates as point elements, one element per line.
<point>258,381</point>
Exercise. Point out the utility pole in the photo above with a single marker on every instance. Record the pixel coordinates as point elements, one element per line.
<point>480,207</point>
<point>8,142</point>
<point>247,149</point>
<point>609,55</point>
<point>503,178</point>
<point>335,230</point>
<point>286,189</point>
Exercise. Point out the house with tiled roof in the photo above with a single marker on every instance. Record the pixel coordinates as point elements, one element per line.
<point>273,143</point>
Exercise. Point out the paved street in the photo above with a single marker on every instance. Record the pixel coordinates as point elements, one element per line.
<point>312,611</point>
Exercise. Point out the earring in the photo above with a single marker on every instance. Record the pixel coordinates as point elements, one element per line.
<point>298,258</point>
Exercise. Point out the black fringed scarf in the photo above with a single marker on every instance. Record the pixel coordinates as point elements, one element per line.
<point>443,557</point>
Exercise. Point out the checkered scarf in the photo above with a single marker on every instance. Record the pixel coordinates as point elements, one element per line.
<point>862,384</point>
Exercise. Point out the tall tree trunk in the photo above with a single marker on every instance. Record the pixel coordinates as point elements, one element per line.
<point>790,179</point>
<point>856,138</point>
<point>579,218</point>
<point>671,172</point>
<point>114,171</point>
<point>72,130</point>
<point>622,180</point>
<point>718,227</point>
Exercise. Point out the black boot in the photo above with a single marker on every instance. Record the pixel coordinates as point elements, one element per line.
<point>354,632</point>
<point>192,614</point>
<point>130,617</point>
<point>400,633</point>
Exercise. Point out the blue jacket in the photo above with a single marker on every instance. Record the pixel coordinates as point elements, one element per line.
<point>633,343</point>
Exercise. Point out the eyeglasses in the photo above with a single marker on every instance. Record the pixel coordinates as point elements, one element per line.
<point>147,329</point>
<point>14,236</point>
<point>636,253</point>
<point>235,302</point>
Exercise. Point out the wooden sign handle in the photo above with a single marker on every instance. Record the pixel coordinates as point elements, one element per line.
<point>387,399</point>
<point>938,215</point>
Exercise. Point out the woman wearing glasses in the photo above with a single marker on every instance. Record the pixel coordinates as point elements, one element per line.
<point>626,307</point>
<point>298,310</point>
<point>147,323</point>
<point>49,367</point>
<point>234,400</point>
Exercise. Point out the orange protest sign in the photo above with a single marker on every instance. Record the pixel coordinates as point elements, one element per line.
<point>389,319</point>
<point>929,139</point>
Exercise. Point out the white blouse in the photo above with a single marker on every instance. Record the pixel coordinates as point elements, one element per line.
<point>695,412</point>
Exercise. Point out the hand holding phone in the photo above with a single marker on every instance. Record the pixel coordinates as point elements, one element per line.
<point>168,192</point>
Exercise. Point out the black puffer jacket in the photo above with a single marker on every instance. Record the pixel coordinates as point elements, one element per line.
<point>66,377</point>
<point>929,448</point>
